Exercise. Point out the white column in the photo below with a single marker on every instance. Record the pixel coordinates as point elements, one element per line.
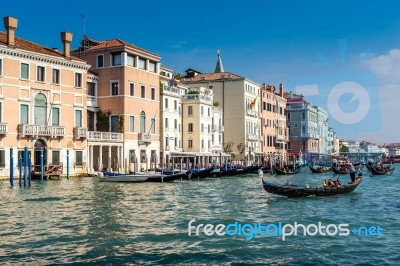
<point>158,68</point>
<point>109,158</point>
<point>89,165</point>
<point>100,167</point>
<point>147,64</point>
<point>124,58</point>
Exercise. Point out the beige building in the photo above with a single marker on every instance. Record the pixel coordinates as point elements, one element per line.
<point>42,103</point>
<point>127,135</point>
<point>239,100</point>
<point>274,130</point>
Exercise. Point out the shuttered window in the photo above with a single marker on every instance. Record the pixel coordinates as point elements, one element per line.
<point>55,116</point>
<point>78,118</point>
<point>40,109</point>
<point>24,114</point>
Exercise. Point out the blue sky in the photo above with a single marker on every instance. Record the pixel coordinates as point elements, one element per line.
<point>319,43</point>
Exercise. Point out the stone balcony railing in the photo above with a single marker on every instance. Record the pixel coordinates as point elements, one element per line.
<point>91,101</point>
<point>197,98</point>
<point>253,137</point>
<point>171,90</point>
<point>3,128</point>
<point>41,130</point>
<point>251,112</point>
<point>144,137</point>
<point>105,136</point>
<point>80,132</point>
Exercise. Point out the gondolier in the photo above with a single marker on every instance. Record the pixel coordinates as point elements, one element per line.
<point>352,172</point>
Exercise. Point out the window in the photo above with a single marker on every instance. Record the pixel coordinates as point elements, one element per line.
<point>202,143</point>
<point>153,93</point>
<point>166,103</point>
<point>209,128</point>
<point>2,158</point>
<point>153,126</point>
<point>100,60</point>
<point>40,110</point>
<point>143,91</point>
<point>56,76</point>
<point>202,127</point>
<point>24,71</point>
<point>166,122</point>
<point>167,141</point>
<point>131,60</point>
<point>116,59</point>
<point>175,123</point>
<point>142,63</point>
<point>1,110</point>
<point>202,111</point>
<point>176,142</point>
<point>91,88</point>
<point>55,115</point>
<point>190,110</point>
<point>131,124</point>
<point>152,66</point>
<point>114,123</point>
<point>190,127</point>
<point>190,144</point>
<point>40,73</point>
<point>208,112</point>
<point>114,88</point>
<point>303,116</point>
<point>24,114</point>
<point>78,158</point>
<point>142,122</point>
<point>132,89</point>
<point>78,80</point>
<point>55,157</point>
<point>1,67</point>
<point>175,105</point>
<point>78,118</point>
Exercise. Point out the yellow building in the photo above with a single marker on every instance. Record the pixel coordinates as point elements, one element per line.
<point>42,103</point>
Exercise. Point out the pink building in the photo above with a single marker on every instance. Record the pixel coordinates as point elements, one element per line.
<point>42,103</point>
<point>124,119</point>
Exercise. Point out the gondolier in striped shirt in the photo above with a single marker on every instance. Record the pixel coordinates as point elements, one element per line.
<point>352,172</point>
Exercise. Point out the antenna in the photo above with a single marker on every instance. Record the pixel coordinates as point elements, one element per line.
<point>84,23</point>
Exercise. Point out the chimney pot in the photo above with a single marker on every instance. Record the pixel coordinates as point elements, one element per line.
<point>10,24</point>
<point>66,38</point>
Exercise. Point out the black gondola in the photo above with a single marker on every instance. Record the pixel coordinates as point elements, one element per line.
<point>197,174</point>
<point>320,170</point>
<point>287,171</point>
<point>166,178</point>
<point>386,170</point>
<point>296,191</point>
<point>339,171</point>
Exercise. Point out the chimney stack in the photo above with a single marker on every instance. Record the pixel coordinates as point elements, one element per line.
<point>66,38</point>
<point>281,89</point>
<point>10,24</point>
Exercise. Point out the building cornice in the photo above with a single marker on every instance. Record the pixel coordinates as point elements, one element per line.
<point>26,55</point>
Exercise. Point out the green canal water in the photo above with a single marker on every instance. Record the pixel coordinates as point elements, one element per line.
<point>84,221</point>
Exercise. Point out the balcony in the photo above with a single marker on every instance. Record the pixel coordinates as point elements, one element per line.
<point>91,101</point>
<point>173,91</point>
<point>105,136</point>
<point>281,138</point>
<point>144,137</point>
<point>41,130</point>
<point>80,133</point>
<point>167,148</point>
<point>214,128</point>
<point>197,98</point>
<point>221,129</point>
<point>253,137</point>
<point>251,112</point>
<point>3,128</point>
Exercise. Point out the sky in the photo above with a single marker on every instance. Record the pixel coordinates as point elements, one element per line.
<point>341,55</point>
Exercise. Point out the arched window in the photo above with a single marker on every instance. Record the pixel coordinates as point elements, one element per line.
<point>303,116</point>
<point>40,109</point>
<point>303,129</point>
<point>142,122</point>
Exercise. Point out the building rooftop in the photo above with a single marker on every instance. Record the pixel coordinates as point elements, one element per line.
<point>205,77</point>
<point>22,44</point>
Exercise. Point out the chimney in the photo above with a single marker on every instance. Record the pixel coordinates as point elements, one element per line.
<point>66,38</point>
<point>281,89</point>
<point>10,24</point>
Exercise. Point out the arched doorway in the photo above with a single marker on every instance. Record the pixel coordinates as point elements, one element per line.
<point>38,145</point>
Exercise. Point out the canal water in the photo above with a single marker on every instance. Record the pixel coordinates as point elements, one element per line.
<point>84,221</point>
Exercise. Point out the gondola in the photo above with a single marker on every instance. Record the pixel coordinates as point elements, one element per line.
<point>223,172</point>
<point>338,171</point>
<point>387,170</point>
<point>320,170</point>
<point>287,171</point>
<point>297,191</point>
<point>166,178</point>
<point>197,174</point>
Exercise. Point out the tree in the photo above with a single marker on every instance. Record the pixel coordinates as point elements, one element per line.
<point>344,148</point>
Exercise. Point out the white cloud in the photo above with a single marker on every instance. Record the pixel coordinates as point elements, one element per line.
<point>387,69</point>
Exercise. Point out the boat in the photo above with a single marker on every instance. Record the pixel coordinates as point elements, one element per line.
<point>288,171</point>
<point>167,171</point>
<point>385,170</point>
<point>320,170</point>
<point>197,174</point>
<point>297,191</point>
<point>143,177</point>
<point>340,171</point>
<point>219,172</point>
